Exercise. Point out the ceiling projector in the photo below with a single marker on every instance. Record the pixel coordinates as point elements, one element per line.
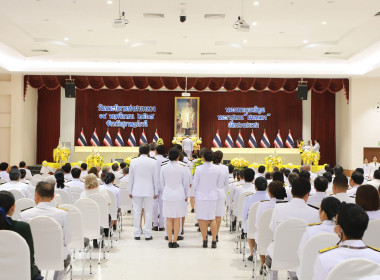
<point>120,22</point>
<point>241,25</point>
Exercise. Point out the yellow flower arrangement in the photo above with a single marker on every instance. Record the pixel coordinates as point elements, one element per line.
<point>160,141</point>
<point>61,155</point>
<point>128,161</point>
<point>254,165</point>
<point>309,157</point>
<point>273,161</point>
<point>94,160</point>
<point>239,163</point>
<point>197,163</point>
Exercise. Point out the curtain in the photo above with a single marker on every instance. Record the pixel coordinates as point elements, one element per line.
<point>285,109</point>
<point>48,122</point>
<point>323,124</point>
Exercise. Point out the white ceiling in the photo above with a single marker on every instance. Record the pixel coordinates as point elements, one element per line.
<point>275,45</point>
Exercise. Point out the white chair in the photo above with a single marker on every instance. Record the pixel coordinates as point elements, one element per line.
<point>251,225</point>
<point>14,256</point>
<point>264,234</point>
<point>37,176</point>
<point>125,201</point>
<point>91,220</point>
<point>75,223</point>
<point>309,253</point>
<point>3,181</point>
<point>43,176</point>
<point>57,200</point>
<point>287,237</point>
<point>116,181</point>
<point>371,235</point>
<point>32,190</point>
<point>104,214</point>
<point>21,205</point>
<point>49,251</point>
<point>354,269</point>
<point>35,180</point>
<point>75,193</point>
<point>17,194</point>
<point>238,214</point>
<point>64,196</point>
<point>113,209</point>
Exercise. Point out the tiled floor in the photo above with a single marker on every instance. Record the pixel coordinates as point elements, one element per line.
<point>131,259</point>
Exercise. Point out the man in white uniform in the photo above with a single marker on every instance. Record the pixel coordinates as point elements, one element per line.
<point>351,223</point>
<point>356,181</point>
<point>67,170</point>
<point>22,165</point>
<point>374,166</point>
<point>43,198</point>
<point>367,170</point>
<point>340,187</point>
<point>376,179</point>
<point>3,171</point>
<point>143,189</point>
<point>15,184</point>
<point>188,146</point>
<point>115,170</point>
<point>187,118</point>
<point>158,217</point>
<point>83,170</point>
<point>76,182</point>
<point>320,185</point>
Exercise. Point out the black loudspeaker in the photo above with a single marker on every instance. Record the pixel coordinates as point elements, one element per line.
<point>69,90</point>
<point>302,92</point>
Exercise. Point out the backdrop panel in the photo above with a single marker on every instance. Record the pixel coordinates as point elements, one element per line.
<point>285,109</point>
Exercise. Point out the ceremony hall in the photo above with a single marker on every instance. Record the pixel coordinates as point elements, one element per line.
<point>244,134</point>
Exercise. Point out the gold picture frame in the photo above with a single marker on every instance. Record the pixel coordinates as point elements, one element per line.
<point>186,121</point>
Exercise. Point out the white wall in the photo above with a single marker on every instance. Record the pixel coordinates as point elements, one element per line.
<point>18,121</point>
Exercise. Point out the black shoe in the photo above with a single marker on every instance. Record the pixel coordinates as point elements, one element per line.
<point>250,258</point>
<point>155,228</point>
<point>129,211</point>
<point>161,229</point>
<point>175,245</point>
<point>166,238</point>
<point>180,238</point>
<point>199,229</point>
<point>170,244</point>
<point>213,244</point>
<point>242,236</point>
<point>192,211</point>
<point>182,232</point>
<point>149,238</point>
<point>205,244</point>
<point>209,232</point>
<point>197,224</point>
<point>217,238</point>
<point>114,227</point>
<point>95,244</point>
<point>137,238</point>
<point>261,270</point>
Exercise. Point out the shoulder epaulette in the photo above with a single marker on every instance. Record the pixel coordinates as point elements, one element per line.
<point>248,194</point>
<point>284,201</point>
<point>331,194</point>
<point>328,249</point>
<point>64,209</point>
<point>164,163</point>
<point>26,209</point>
<point>374,248</point>
<point>183,164</point>
<point>264,200</point>
<point>312,206</point>
<point>314,224</point>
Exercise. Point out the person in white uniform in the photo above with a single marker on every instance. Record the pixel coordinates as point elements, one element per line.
<point>205,184</point>
<point>60,183</point>
<point>83,170</point>
<point>143,189</point>
<point>67,171</point>
<point>376,179</point>
<point>374,166</point>
<point>316,146</point>
<point>367,197</point>
<point>3,171</point>
<point>221,202</point>
<point>115,170</point>
<point>43,198</point>
<point>14,183</point>
<point>320,185</point>
<point>356,181</point>
<point>340,187</point>
<point>158,216</point>
<point>367,169</point>
<point>174,181</point>
<point>327,212</point>
<point>350,225</point>
<point>188,146</point>
<point>22,165</point>
<point>76,182</point>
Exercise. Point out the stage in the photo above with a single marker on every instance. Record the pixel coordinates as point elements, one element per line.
<point>258,155</point>
<point>108,153</point>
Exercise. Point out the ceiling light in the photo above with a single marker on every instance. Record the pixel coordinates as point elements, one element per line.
<point>324,22</point>
<point>66,39</point>
<point>245,41</point>
<point>305,41</point>
<point>256,3</point>
<point>126,40</point>
<point>109,2</point>
<point>254,23</point>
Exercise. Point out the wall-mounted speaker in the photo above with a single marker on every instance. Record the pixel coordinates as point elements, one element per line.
<point>302,92</point>
<point>69,89</point>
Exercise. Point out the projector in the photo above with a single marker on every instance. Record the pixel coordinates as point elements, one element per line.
<point>243,27</point>
<point>119,23</point>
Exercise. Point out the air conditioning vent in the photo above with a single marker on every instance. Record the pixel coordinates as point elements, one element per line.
<point>208,53</point>
<point>333,53</point>
<point>378,14</point>
<point>214,16</point>
<point>164,53</point>
<point>40,51</point>
<point>152,15</point>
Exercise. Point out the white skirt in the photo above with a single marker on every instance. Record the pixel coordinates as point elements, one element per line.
<point>174,209</point>
<point>220,208</point>
<point>205,209</point>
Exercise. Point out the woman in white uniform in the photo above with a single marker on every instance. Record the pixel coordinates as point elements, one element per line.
<point>316,146</point>
<point>174,180</point>
<point>205,184</point>
<point>224,182</point>
<point>367,197</point>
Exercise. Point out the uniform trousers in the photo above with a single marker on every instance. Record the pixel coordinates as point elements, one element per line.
<point>188,153</point>
<point>158,212</point>
<point>138,204</point>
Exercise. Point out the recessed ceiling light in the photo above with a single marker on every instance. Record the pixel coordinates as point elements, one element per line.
<point>256,3</point>
<point>254,23</point>
<point>66,39</point>
<point>245,41</point>
<point>324,22</point>
<point>126,40</point>
<point>305,41</point>
<point>89,30</point>
<point>109,2</point>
